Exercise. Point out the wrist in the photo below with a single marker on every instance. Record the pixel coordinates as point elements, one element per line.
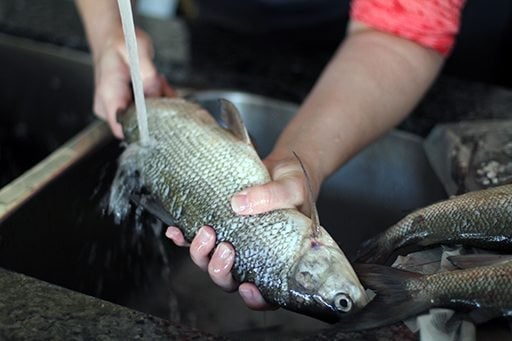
<point>111,39</point>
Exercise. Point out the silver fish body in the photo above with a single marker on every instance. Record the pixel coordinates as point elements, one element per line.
<point>481,219</point>
<point>480,291</point>
<point>192,168</point>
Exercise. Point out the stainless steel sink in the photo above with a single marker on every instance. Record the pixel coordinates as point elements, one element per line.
<point>45,99</point>
<point>58,232</point>
<point>45,96</point>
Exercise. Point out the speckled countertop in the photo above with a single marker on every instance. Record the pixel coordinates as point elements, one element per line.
<point>35,310</point>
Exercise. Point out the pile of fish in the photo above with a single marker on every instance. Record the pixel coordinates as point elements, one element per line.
<point>187,175</point>
<point>482,284</point>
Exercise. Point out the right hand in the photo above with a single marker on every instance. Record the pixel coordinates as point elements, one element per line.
<point>113,82</point>
<point>288,188</point>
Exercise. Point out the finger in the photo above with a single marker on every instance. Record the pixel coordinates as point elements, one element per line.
<point>166,89</point>
<point>150,78</point>
<point>220,266</point>
<point>112,96</point>
<point>116,128</point>
<point>116,103</point>
<point>287,192</point>
<point>252,297</point>
<point>201,246</point>
<point>104,111</point>
<point>156,85</point>
<point>174,234</point>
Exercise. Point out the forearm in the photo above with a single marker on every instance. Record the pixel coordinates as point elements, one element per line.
<point>101,20</point>
<point>372,83</point>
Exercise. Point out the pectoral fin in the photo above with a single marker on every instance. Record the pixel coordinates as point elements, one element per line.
<point>313,212</point>
<point>154,206</point>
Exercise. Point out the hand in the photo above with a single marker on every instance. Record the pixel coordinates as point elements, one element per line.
<point>220,264</point>
<point>112,78</point>
<point>288,188</point>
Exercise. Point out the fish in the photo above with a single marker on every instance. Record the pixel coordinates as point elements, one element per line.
<point>478,291</point>
<point>481,219</point>
<point>186,177</point>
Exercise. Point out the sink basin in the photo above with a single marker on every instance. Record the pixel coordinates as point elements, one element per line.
<point>61,235</point>
<point>45,98</point>
<point>60,163</point>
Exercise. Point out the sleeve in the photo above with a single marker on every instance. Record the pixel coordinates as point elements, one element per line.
<point>431,23</point>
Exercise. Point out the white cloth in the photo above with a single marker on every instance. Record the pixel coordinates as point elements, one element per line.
<point>438,324</point>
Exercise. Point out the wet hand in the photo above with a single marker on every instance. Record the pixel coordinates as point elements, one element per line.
<point>219,264</point>
<point>112,78</point>
<point>288,188</point>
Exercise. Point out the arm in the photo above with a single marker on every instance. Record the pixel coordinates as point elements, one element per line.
<point>111,70</point>
<point>371,83</point>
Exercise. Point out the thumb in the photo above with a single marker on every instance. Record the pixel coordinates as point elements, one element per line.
<point>286,191</point>
<point>150,78</point>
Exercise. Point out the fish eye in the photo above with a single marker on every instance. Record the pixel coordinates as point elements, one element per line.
<point>343,302</point>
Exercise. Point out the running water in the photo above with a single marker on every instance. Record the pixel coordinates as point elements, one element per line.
<point>125,8</point>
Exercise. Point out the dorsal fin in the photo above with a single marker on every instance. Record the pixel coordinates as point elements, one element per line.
<point>231,117</point>
<point>315,220</point>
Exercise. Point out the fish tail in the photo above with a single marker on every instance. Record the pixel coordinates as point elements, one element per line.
<point>126,182</point>
<point>373,250</point>
<point>393,301</point>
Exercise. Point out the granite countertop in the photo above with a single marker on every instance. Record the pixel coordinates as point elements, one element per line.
<point>35,310</point>
<point>281,65</point>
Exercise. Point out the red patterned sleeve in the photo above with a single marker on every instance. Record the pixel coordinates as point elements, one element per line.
<point>430,23</point>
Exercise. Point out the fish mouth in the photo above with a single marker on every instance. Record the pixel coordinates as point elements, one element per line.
<point>328,312</point>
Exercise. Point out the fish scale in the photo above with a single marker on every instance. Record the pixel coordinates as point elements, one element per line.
<point>192,168</point>
<point>481,218</point>
<point>214,184</point>
<point>483,291</point>
<point>481,287</point>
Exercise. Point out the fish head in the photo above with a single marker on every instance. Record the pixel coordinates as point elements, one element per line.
<point>322,282</point>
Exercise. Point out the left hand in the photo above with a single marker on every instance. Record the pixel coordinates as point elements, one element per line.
<point>220,264</point>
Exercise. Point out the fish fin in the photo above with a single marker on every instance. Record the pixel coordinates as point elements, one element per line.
<point>313,212</point>
<point>154,206</point>
<point>445,320</point>
<point>371,251</point>
<point>476,260</point>
<point>392,303</point>
<point>233,120</point>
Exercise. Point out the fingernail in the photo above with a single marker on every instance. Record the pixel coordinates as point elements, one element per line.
<point>204,238</point>
<point>225,254</point>
<point>240,202</point>
<point>225,251</point>
<point>246,293</point>
<point>171,233</point>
